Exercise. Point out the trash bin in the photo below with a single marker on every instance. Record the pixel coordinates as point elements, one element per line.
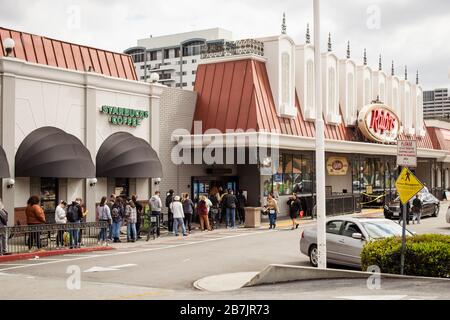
<point>252,217</point>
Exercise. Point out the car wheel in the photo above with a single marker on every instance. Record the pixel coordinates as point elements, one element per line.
<point>436,211</point>
<point>314,256</point>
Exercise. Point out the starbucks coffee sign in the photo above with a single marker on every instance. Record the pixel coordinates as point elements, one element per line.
<point>379,123</point>
<point>124,116</point>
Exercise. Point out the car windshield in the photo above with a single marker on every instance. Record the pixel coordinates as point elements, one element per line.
<point>384,229</point>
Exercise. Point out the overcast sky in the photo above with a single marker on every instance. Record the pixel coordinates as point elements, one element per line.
<point>410,32</point>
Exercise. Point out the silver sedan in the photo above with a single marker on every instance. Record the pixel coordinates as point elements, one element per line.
<point>346,236</point>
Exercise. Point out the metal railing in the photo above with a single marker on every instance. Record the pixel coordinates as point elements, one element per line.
<point>233,48</point>
<point>24,239</point>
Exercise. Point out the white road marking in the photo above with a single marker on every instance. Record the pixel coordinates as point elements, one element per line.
<point>124,266</point>
<point>107,269</point>
<point>46,259</point>
<point>374,297</point>
<point>137,251</point>
<point>99,269</point>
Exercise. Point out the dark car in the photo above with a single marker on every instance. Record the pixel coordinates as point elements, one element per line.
<point>430,206</point>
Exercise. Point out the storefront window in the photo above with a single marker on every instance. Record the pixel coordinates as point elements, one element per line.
<point>296,175</point>
<point>267,185</point>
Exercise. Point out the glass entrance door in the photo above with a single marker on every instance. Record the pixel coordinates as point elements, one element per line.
<point>207,185</point>
<point>49,197</point>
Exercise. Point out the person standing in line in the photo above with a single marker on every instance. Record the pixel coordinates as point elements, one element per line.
<point>60,218</point>
<point>140,212</point>
<point>110,203</point>
<point>84,214</point>
<point>272,207</point>
<point>417,209</point>
<point>178,216</point>
<point>103,215</point>
<point>3,224</point>
<point>74,216</point>
<point>131,215</point>
<point>202,211</point>
<point>231,203</point>
<point>35,216</point>
<point>169,200</point>
<point>295,207</point>
<point>117,214</point>
<point>156,207</point>
<point>188,208</point>
<point>242,203</point>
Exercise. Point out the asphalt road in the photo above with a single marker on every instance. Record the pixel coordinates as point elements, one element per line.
<point>168,267</point>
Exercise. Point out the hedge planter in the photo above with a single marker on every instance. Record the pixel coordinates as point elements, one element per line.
<point>425,255</point>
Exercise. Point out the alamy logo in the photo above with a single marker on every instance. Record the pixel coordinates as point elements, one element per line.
<point>234,147</point>
<point>73,282</point>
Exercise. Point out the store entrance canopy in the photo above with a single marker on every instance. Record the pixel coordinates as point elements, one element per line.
<point>123,155</point>
<point>53,153</point>
<point>4,167</point>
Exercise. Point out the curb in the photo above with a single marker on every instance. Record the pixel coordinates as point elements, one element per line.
<point>275,273</point>
<point>43,254</point>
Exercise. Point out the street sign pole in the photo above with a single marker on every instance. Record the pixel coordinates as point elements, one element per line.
<point>402,258</point>
<point>407,187</point>
<point>320,145</point>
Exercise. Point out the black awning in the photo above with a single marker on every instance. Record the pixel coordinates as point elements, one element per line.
<point>4,166</point>
<point>51,152</point>
<point>123,155</point>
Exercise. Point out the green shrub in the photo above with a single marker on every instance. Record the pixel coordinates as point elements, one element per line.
<point>426,255</point>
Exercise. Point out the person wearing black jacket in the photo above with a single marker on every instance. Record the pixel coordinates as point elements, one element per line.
<point>3,223</point>
<point>169,200</point>
<point>230,203</point>
<point>242,200</point>
<point>295,206</point>
<point>417,209</point>
<point>139,211</point>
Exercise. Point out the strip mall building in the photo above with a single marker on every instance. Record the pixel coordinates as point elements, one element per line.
<point>76,122</point>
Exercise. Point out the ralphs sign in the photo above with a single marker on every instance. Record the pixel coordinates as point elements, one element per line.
<point>379,123</point>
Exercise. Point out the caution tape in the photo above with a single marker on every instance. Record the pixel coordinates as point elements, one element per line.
<point>374,200</point>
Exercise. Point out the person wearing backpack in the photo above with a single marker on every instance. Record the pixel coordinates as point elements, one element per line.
<point>117,214</point>
<point>202,211</point>
<point>3,224</point>
<point>74,216</point>
<point>131,216</point>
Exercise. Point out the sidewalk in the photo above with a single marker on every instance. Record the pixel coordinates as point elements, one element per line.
<point>42,254</point>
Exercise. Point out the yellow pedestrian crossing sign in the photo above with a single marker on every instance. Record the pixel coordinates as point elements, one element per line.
<point>407,185</point>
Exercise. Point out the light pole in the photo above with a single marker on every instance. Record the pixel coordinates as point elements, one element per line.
<point>320,145</point>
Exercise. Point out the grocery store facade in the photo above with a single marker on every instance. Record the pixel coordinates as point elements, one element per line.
<point>265,88</point>
<point>76,123</point>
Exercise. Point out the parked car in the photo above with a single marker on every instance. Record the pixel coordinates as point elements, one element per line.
<point>346,238</point>
<point>430,206</point>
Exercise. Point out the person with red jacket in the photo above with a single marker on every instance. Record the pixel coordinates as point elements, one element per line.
<point>35,216</point>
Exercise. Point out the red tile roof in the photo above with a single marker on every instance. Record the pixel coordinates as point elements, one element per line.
<point>237,95</point>
<point>56,53</point>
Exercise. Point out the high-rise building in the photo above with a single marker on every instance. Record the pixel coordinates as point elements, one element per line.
<point>175,57</point>
<point>436,104</point>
